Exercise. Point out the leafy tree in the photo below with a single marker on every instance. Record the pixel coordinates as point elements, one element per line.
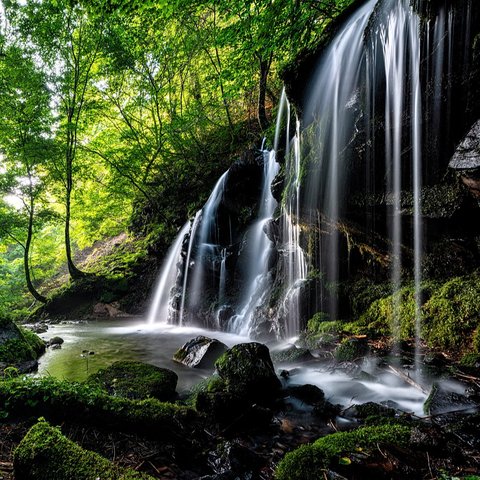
<point>25,147</point>
<point>67,42</point>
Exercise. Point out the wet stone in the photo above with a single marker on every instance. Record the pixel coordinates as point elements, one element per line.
<point>200,352</point>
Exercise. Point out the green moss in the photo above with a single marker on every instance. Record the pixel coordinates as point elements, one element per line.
<point>310,461</point>
<point>136,380</point>
<point>362,293</point>
<point>19,344</point>
<point>378,319</point>
<point>45,454</point>
<point>59,400</point>
<point>470,360</point>
<point>211,384</point>
<point>321,332</point>
<point>351,349</point>
<point>452,314</point>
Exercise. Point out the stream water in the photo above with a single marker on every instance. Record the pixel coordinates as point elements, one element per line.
<point>115,340</point>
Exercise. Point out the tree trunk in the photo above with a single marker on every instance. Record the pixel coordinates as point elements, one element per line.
<point>26,257</point>
<point>74,272</point>
<point>262,93</point>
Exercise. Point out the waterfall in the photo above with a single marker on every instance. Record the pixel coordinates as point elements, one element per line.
<point>331,105</point>
<point>159,309</point>
<point>370,71</point>
<point>373,117</point>
<point>295,264</point>
<point>205,237</point>
<point>258,253</point>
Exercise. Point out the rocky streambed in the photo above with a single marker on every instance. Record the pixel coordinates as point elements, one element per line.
<point>242,415</point>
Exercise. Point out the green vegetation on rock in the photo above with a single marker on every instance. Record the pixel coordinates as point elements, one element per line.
<point>46,454</point>
<point>136,380</point>
<point>17,344</point>
<point>309,462</point>
<point>59,400</point>
<point>450,314</point>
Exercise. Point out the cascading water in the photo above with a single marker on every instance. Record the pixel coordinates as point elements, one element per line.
<point>205,237</point>
<point>377,104</point>
<point>159,309</point>
<point>295,264</point>
<point>258,253</point>
<point>331,106</point>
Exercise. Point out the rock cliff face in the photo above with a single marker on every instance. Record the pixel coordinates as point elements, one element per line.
<point>449,42</point>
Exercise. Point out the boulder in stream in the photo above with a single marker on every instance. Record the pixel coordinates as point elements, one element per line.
<point>200,352</point>
<point>247,370</point>
<point>441,401</point>
<point>136,380</point>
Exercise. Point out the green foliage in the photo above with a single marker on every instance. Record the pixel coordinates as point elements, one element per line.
<point>452,313</point>
<point>147,103</point>
<point>321,331</point>
<point>59,400</point>
<point>136,380</point>
<point>309,462</point>
<point>45,454</point>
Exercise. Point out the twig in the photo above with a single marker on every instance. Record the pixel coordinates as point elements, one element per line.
<point>407,379</point>
<point>429,466</point>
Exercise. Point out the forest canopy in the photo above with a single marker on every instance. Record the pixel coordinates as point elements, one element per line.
<point>118,116</point>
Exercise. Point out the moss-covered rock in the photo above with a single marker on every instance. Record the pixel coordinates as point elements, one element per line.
<point>59,400</point>
<point>247,370</point>
<point>450,314</point>
<point>45,454</point>
<point>17,344</point>
<point>351,349</point>
<point>292,354</point>
<point>310,461</point>
<point>136,380</point>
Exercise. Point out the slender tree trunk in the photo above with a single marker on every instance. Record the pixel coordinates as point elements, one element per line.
<point>262,93</point>
<point>74,272</point>
<point>26,255</point>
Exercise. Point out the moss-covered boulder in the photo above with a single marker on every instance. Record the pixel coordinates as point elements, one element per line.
<point>247,370</point>
<point>17,344</point>
<point>292,354</point>
<point>310,461</point>
<point>351,349</point>
<point>60,400</point>
<point>45,454</point>
<point>136,380</point>
<point>200,352</point>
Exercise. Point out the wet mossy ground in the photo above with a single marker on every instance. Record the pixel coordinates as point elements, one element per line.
<point>45,454</point>
<point>310,462</point>
<point>449,312</point>
<point>89,404</point>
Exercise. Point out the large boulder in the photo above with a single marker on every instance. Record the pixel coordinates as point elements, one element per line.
<point>136,380</point>
<point>200,352</point>
<point>467,155</point>
<point>466,160</point>
<point>18,345</point>
<point>247,370</point>
<point>45,454</point>
<point>441,401</point>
